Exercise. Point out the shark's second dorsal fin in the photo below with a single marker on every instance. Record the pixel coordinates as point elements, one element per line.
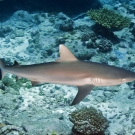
<point>65,54</point>
<point>16,63</point>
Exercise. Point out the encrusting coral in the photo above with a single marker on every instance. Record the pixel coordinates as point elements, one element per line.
<point>88,121</point>
<point>109,18</point>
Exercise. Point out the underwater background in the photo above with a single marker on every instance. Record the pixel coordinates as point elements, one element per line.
<point>100,31</point>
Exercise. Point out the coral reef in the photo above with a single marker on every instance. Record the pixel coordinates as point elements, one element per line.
<point>88,35</point>
<point>109,18</point>
<point>92,40</point>
<point>104,45</point>
<point>33,37</point>
<point>88,121</point>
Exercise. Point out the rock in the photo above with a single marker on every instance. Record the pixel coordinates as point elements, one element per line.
<point>19,33</point>
<point>63,22</point>
<point>22,15</point>
<point>108,94</point>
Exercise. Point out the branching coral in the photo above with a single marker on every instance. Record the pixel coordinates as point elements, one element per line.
<point>109,18</point>
<point>88,121</point>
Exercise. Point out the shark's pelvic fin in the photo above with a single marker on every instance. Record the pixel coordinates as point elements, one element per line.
<point>65,54</point>
<point>83,91</point>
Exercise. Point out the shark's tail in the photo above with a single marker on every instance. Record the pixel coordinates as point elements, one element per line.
<point>2,72</point>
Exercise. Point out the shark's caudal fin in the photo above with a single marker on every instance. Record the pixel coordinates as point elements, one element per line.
<point>65,54</point>
<point>83,91</point>
<point>2,72</point>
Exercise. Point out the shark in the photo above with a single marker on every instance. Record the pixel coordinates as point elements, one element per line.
<point>68,70</point>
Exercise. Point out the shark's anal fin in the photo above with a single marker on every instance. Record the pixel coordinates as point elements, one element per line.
<point>34,83</point>
<point>65,54</point>
<point>83,91</point>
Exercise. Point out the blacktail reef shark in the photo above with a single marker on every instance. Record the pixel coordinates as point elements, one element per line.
<point>69,70</point>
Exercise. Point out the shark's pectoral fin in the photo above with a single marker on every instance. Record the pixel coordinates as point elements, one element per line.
<point>83,91</point>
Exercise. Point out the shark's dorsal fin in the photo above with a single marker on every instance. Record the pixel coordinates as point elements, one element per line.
<point>65,54</point>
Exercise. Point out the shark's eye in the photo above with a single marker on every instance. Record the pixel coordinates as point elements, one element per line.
<point>123,80</point>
